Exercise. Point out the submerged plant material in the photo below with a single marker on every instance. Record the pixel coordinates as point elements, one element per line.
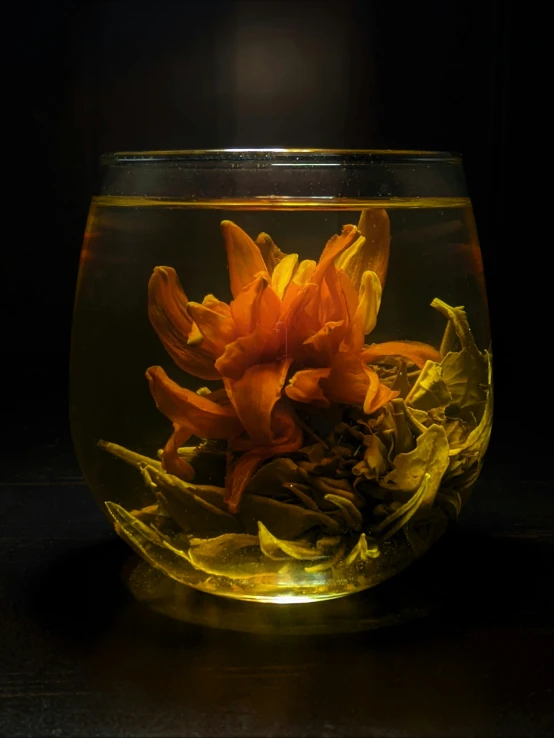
<point>333,452</point>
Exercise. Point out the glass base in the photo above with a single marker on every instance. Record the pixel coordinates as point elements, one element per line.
<point>395,602</point>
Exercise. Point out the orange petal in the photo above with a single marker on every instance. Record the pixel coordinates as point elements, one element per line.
<point>365,318</point>
<point>350,294</point>
<point>211,301</point>
<point>301,277</point>
<point>332,302</point>
<point>283,274</point>
<point>167,310</point>
<point>323,345</point>
<point>204,417</point>
<point>347,381</point>
<point>290,439</point>
<point>256,305</point>
<point>216,329</point>
<point>298,320</point>
<point>381,397</point>
<point>243,256</point>
<point>305,386</point>
<point>335,245</point>
<point>254,396</point>
<point>241,354</point>
<point>371,251</point>
<point>377,394</point>
<point>171,461</point>
<point>418,353</point>
<point>271,253</point>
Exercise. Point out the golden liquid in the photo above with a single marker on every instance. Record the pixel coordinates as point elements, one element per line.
<point>434,253</point>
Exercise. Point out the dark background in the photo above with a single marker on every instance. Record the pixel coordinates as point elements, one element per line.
<point>130,75</point>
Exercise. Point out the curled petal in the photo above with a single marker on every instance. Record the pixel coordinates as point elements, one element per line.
<point>350,293</point>
<point>370,302</point>
<point>283,273</point>
<point>323,345</point>
<point>215,329</point>
<point>241,354</point>
<point>203,416</point>
<point>305,386</point>
<point>332,302</point>
<point>289,439</point>
<point>298,321</point>
<point>416,352</point>
<point>271,253</point>
<point>171,461</point>
<point>365,318</point>
<point>211,301</point>
<point>371,251</point>
<point>335,246</point>
<point>167,310</point>
<point>243,256</point>
<point>255,306</point>
<point>347,381</point>
<point>254,396</point>
<point>377,394</point>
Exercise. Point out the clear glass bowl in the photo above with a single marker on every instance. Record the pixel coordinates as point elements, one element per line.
<point>281,365</point>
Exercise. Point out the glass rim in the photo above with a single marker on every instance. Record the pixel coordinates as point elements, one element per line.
<point>359,156</point>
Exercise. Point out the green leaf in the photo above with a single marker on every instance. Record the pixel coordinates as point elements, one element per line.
<point>363,550</point>
<point>430,389</point>
<point>465,372</point>
<point>430,457</point>
<point>403,436</point>
<point>129,457</point>
<point>279,549</point>
<point>328,563</point>
<point>286,520</point>
<point>401,383</point>
<point>375,463</point>
<point>148,543</point>
<point>194,513</point>
<point>477,441</point>
<point>233,555</point>
<point>402,514</point>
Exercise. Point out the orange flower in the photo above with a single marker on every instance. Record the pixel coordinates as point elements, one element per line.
<point>294,331</point>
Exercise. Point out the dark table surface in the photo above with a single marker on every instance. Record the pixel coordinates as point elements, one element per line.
<point>79,657</point>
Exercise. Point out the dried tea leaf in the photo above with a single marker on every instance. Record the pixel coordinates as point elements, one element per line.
<point>403,513</point>
<point>375,463</point>
<point>465,372</point>
<point>302,493</point>
<point>363,550</point>
<point>352,516</point>
<point>233,555</point>
<point>451,502</point>
<point>417,419</point>
<point>478,440</point>
<point>271,478</point>
<point>148,543</point>
<point>430,390</point>
<point>315,453</point>
<point>191,511</point>
<point>285,520</point>
<point>129,457</point>
<point>403,436</point>
<point>401,381</point>
<point>430,456</point>
<point>278,549</point>
<point>328,563</point>
<point>422,534</point>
